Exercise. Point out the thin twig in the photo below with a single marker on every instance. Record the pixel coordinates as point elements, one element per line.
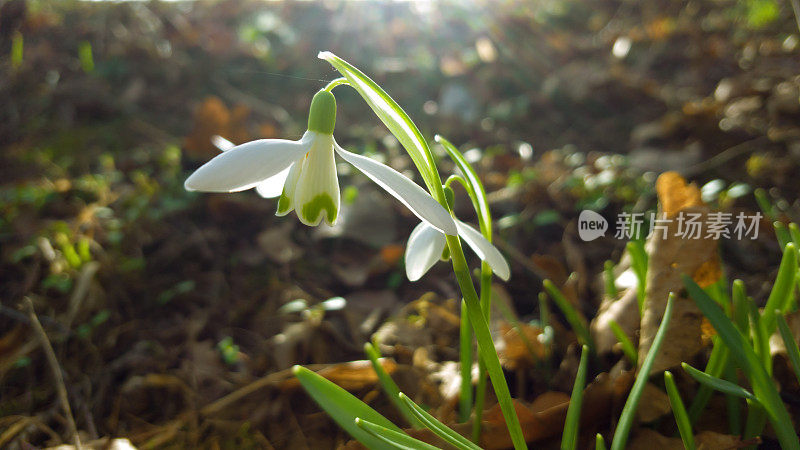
<point>61,390</point>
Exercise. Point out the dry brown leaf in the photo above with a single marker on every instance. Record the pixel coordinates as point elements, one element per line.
<point>351,375</point>
<point>653,404</point>
<point>516,352</point>
<point>670,257</point>
<point>647,439</point>
<point>624,311</point>
<point>674,194</point>
<point>211,118</point>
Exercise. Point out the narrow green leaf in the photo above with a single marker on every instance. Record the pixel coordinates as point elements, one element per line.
<point>627,346</point>
<point>740,307</point>
<point>575,319</point>
<point>679,411</point>
<point>393,116</point>
<point>599,442</point>
<point>473,185</point>
<point>782,233</point>
<point>389,386</point>
<point>608,277</point>
<point>763,386</point>
<point>781,294</point>
<point>762,198</point>
<point>629,410</point>
<point>438,428</point>
<point>639,261</point>
<point>391,437</point>
<point>343,407</point>
<point>717,383</point>
<point>569,439</point>
<point>714,367</point>
<point>17,50</point>
<point>465,365</point>
<point>794,232</point>
<point>791,346</point>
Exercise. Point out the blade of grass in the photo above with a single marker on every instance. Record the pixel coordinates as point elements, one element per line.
<point>599,442</point>
<point>780,298</point>
<point>762,198</point>
<point>391,437</point>
<point>575,319</point>
<point>714,367</point>
<point>740,307</point>
<point>629,410</point>
<point>627,346</point>
<point>782,234</point>
<point>791,346</point>
<point>389,386</point>
<point>343,407</point>
<point>733,404</point>
<point>639,264</point>
<point>465,365</point>
<point>794,232</point>
<point>679,411</point>
<point>438,428</point>
<point>717,383</point>
<point>763,386</point>
<point>569,439</point>
<point>608,277</point>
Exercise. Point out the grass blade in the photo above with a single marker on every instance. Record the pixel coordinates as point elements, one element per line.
<point>763,386</point>
<point>343,407</point>
<point>569,440</point>
<point>389,386</point>
<point>783,235</point>
<point>629,411</point>
<point>781,295</point>
<point>438,428</point>
<point>608,277</point>
<point>599,442</point>
<point>718,383</point>
<point>575,319</point>
<point>627,346</point>
<point>714,367</point>
<point>681,418</point>
<point>391,437</point>
<point>791,346</point>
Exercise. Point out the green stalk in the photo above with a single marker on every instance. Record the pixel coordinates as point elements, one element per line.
<point>389,386</point>
<point>629,410</point>
<point>679,411</point>
<point>791,346</point>
<point>569,439</point>
<point>391,437</point>
<point>572,315</point>
<point>437,427</point>
<point>627,345</point>
<point>465,368</point>
<point>608,276</point>
<point>486,348</point>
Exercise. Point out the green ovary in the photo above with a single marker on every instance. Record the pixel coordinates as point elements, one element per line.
<point>312,209</point>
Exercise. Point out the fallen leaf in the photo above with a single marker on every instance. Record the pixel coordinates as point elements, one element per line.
<point>353,375</point>
<point>516,351</point>
<point>653,404</point>
<point>671,256</point>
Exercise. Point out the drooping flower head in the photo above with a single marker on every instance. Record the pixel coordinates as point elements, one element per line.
<point>305,170</point>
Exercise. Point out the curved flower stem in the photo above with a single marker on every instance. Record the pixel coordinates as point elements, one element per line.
<point>465,366</point>
<point>486,348</point>
<point>338,81</point>
<point>480,392</point>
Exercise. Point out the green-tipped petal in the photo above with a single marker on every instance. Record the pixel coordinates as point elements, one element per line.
<point>316,196</point>
<point>286,201</point>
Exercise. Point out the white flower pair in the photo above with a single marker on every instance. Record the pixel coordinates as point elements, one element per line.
<point>303,174</point>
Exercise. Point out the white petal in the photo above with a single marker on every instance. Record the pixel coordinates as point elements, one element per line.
<point>286,202</point>
<point>221,143</point>
<point>409,193</point>
<point>484,249</point>
<point>273,186</point>
<point>317,191</point>
<point>424,248</point>
<point>246,165</point>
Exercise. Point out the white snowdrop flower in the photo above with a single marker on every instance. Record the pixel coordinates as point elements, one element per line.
<point>425,246</point>
<point>303,173</point>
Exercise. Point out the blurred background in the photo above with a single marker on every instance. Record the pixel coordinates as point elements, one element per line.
<point>160,302</point>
